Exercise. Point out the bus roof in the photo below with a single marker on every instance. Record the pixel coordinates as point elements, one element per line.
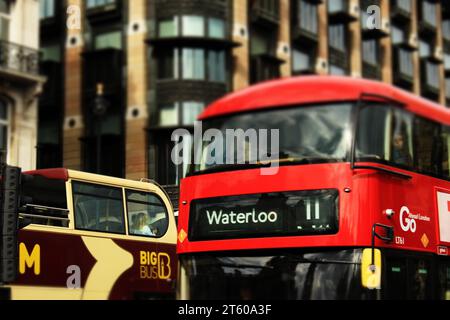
<point>65,174</point>
<point>319,89</point>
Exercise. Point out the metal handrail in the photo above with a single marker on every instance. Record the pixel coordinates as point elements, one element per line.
<point>20,58</point>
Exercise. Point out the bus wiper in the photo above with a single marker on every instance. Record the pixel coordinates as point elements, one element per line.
<point>231,167</point>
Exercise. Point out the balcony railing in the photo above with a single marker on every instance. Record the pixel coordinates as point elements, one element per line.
<point>19,58</point>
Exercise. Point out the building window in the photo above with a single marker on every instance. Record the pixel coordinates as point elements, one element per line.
<point>216,28</point>
<point>339,58</point>
<point>404,5</point>
<point>161,166</point>
<point>446,29</point>
<point>429,13</point>
<point>405,62</point>
<point>303,61</point>
<point>399,35</point>
<point>264,63</point>
<point>194,64</point>
<point>98,3</point>
<point>108,40</point>
<point>180,113</point>
<point>168,27</point>
<point>4,20</point>
<point>50,53</point>
<point>46,9</point>
<point>447,88</point>
<point>192,26</point>
<point>307,16</point>
<point>447,61</point>
<point>4,128</point>
<point>371,59</point>
<point>430,74</point>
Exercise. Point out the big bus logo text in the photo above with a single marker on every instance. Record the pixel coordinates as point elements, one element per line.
<point>408,220</point>
<point>154,265</point>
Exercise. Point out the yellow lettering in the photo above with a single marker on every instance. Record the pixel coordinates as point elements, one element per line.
<point>153,259</point>
<point>164,270</point>
<point>143,257</point>
<point>29,260</point>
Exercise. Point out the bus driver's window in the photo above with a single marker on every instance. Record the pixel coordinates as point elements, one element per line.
<point>147,214</point>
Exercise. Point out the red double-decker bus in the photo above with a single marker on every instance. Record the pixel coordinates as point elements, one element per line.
<point>362,165</point>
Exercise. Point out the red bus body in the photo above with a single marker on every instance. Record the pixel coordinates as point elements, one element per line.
<point>364,194</point>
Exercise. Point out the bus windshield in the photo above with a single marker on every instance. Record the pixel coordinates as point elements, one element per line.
<point>307,134</point>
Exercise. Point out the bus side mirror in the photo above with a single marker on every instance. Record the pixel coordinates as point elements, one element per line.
<point>9,222</point>
<point>371,271</point>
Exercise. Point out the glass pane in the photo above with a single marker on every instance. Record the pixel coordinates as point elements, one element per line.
<point>168,64</point>
<point>308,16</point>
<point>168,28</point>
<point>46,8</point>
<point>259,43</point>
<point>370,49</point>
<point>109,40</point>
<point>424,49</point>
<point>301,61</point>
<point>4,28</point>
<point>191,110</point>
<point>3,138</point>
<point>98,208</point>
<point>147,214</point>
<point>398,35</point>
<point>446,29</point>
<point>337,37</point>
<point>97,3</point>
<point>447,61</point>
<point>427,145</point>
<point>372,137</point>
<point>402,142</point>
<point>4,7</point>
<point>336,6</point>
<point>193,63</point>
<point>51,53</point>
<point>216,65</point>
<point>216,28</point>
<point>168,115</point>
<point>3,110</point>
<point>337,71</point>
<point>193,26</point>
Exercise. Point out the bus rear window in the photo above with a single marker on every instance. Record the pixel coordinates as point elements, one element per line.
<point>46,202</point>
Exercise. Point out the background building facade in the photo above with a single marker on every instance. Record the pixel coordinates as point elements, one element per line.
<point>160,62</point>
<point>20,82</point>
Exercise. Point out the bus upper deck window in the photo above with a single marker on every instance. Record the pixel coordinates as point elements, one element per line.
<point>98,208</point>
<point>147,214</point>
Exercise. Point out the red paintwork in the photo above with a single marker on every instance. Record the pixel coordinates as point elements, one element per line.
<point>372,192</point>
<point>318,89</point>
<point>54,174</point>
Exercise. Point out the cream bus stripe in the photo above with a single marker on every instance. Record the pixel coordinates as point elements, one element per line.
<point>44,293</point>
<point>112,262</point>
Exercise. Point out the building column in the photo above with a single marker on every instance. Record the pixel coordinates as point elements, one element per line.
<point>356,44</point>
<point>440,44</point>
<point>322,66</point>
<point>241,63</point>
<point>416,56</point>
<point>386,46</point>
<point>137,114</point>
<point>73,124</point>
<point>284,39</point>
